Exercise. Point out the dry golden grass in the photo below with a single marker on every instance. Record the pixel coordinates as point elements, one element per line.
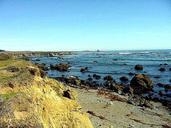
<point>28,100</point>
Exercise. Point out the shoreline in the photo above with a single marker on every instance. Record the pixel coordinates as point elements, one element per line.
<point>105,113</point>
<point>112,110</point>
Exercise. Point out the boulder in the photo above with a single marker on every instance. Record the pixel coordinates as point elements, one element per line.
<point>68,94</point>
<point>85,69</point>
<point>118,88</point>
<point>156,77</point>
<point>162,69</point>
<point>60,67</point>
<point>131,74</point>
<point>141,84</point>
<point>97,77</point>
<point>128,90</point>
<point>42,66</point>
<point>167,87</point>
<point>138,67</point>
<point>161,85</point>
<point>108,78</point>
<point>109,84</point>
<point>73,80</point>
<point>124,79</point>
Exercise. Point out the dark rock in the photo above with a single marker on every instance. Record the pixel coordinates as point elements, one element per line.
<point>141,84</point>
<point>128,90</point>
<point>90,79</point>
<point>162,69</point>
<point>157,77</point>
<point>52,67</point>
<point>165,64</point>
<point>131,74</point>
<point>139,101</point>
<point>115,59</point>
<point>160,84</point>
<point>11,85</point>
<point>43,74</point>
<point>109,84</point>
<point>85,69</point>
<point>124,79</point>
<point>167,87</point>
<point>170,80</point>
<point>60,67</point>
<point>118,88</point>
<point>97,77</point>
<point>161,93</point>
<point>13,69</point>
<point>108,78</point>
<point>37,60</point>
<point>33,71</point>
<point>138,67</point>
<point>42,66</point>
<point>169,69</point>
<point>51,55</point>
<point>67,94</point>
<point>73,80</point>
<point>83,82</point>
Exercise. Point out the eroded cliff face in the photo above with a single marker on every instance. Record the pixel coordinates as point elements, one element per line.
<point>28,99</point>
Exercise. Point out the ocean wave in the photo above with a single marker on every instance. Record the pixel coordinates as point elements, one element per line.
<point>125,53</point>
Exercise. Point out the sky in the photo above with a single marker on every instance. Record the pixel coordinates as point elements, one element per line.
<point>52,25</point>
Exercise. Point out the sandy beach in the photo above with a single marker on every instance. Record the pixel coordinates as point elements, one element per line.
<point>115,114</point>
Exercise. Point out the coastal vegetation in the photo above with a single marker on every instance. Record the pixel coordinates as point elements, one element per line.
<point>29,99</point>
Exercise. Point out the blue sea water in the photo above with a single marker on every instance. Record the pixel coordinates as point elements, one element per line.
<point>115,63</point>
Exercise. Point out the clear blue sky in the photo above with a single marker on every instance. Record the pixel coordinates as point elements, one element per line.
<point>85,24</point>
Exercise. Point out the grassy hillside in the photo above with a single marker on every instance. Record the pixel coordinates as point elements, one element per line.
<point>29,99</point>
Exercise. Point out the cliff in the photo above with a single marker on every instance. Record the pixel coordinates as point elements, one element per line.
<point>29,99</point>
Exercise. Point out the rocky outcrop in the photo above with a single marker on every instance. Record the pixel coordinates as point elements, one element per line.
<point>84,69</point>
<point>141,84</point>
<point>124,79</point>
<point>42,66</point>
<point>60,67</point>
<point>162,69</point>
<point>108,78</point>
<point>97,77</point>
<point>138,67</point>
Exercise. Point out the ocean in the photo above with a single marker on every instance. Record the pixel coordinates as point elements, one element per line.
<point>116,64</point>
